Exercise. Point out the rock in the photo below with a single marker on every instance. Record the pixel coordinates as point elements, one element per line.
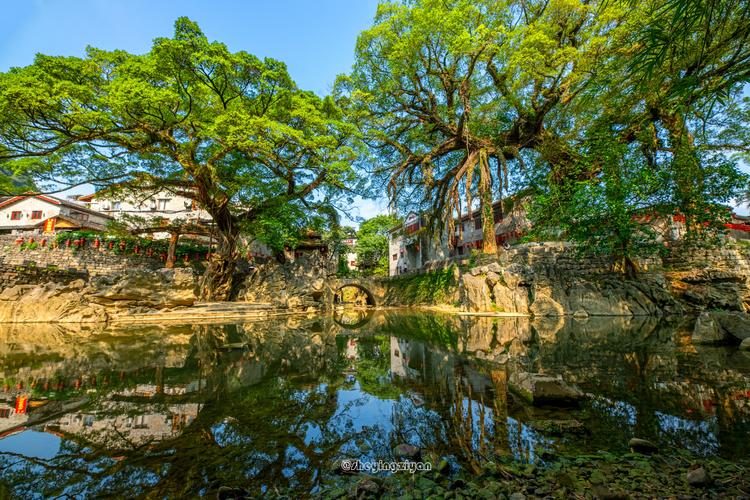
<point>698,477</point>
<point>475,271</point>
<point>734,324</point>
<point>545,305</point>
<point>517,496</point>
<point>707,331</point>
<point>494,267</point>
<point>160,289</point>
<point>602,492</point>
<point>540,389</point>
<point>476,293</point>
<point>408,451</point>
<point>642,446</point>
<point>492,278</point>
<point>367,487</point>
<point>508,299</point>
<point>61,304</point>
<point>745,345</point>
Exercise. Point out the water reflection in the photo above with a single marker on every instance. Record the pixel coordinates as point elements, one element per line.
<point>185,409</point>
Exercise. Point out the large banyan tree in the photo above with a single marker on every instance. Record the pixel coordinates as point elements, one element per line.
<point>459,98</point>
<point>228,130</point>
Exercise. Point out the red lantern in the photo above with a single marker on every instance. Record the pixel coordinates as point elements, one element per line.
<point>122,245</point>
<point>97,243</point>
<point>43,242</point>
<point>77,243</point>
<point>111,245</point>
<point>163,256</point>
<point>136,250</point>
<point>186,258</point>
<point>150,252</point>
<point>83,242</point>
<point>22,402</point>
<point>19,240</point>
<point>67,243</point>
<point>31,239</point>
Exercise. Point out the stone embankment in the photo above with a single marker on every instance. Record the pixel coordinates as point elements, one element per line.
<point>100,299</point>
<point>540,280</point>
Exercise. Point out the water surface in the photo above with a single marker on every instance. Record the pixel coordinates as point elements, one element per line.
<point>184,409</point>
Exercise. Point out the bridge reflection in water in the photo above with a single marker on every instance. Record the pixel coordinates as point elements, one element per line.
<point>186,408</point>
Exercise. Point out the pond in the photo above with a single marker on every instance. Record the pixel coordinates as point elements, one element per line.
<point>275,405</point>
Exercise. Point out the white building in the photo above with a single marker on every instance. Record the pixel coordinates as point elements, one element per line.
<point>351,255</point>
<point>143,208</point>
<point>37,213</point>
<point>411,246</point>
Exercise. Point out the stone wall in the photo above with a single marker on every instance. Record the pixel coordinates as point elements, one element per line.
<point>31,275</point>
<point>557,279</point>
<point>99,299</point>
<point>48,264</point>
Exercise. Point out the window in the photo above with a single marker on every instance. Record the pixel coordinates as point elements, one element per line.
<point>15,215</point>
<point>36,214</point>
<point>116,205</point>
<point>395,256</point>
<point>163,203</point>
<point>4,412</point>
<point>477,223</point>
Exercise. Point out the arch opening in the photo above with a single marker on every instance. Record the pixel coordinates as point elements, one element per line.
<point>353,294</point>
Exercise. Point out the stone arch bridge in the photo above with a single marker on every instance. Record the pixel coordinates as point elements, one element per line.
<point>373,288</point>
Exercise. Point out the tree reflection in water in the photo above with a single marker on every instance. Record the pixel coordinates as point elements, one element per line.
<point>183,410</point>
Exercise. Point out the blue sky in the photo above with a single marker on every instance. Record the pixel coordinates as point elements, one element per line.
<point>315,38</point>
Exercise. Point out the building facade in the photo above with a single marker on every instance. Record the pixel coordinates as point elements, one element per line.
<point>37,213</point>
<point>412,246</point>
<point>145,208</point>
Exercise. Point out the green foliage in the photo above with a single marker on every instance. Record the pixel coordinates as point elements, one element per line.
<point>126,244</point>
<point>372,245</point>
<point>226,129</point>
<point>547,93</point>
<point>435,287</point>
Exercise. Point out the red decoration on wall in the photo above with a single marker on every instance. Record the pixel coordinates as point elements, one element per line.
<point>22,402</point>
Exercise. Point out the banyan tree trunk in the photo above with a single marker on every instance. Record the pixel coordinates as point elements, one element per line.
<point>216,284</point>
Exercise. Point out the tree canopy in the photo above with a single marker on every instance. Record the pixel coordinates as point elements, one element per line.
<point>228,130</point>
<point>372,244</point>
<point>462,101</point>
